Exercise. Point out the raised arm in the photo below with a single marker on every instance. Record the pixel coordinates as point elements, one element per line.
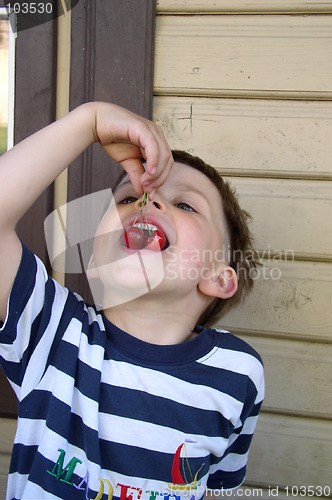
<point>32,165</point>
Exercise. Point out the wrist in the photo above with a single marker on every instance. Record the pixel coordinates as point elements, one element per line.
<point>87,115</point>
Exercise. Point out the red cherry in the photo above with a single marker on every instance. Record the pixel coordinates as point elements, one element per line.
<point>156,240</point>
<point>134,238</point>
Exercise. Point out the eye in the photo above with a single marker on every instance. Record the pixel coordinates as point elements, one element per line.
<point>185,206</point>
<point>128,200</point>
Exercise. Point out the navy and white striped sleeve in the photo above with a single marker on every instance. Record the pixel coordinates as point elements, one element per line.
<point>26,336</point>
<point>229,472</point>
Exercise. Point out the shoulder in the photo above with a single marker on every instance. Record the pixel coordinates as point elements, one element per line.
<point>28,290</point>
<point>237,357</point>
<point>226,340</point>
<point>37,299</point>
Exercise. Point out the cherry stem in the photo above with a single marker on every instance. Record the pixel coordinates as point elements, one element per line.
<point>145,201</point>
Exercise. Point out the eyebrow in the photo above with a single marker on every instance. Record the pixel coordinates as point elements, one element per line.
<point>183,187</point>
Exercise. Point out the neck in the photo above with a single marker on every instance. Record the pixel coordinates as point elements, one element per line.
<point>155,326</point>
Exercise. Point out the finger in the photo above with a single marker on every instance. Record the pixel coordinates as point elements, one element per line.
<point>150,183</point>
<point>156,168</point>
<point>145,138</point>
<point>165,151</point>
<point>134,169</point>
<point>155,149</point>
<point>152,195</point>
<point>161,171</point>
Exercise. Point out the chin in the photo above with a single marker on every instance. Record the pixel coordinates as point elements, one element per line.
<point>128,279</point>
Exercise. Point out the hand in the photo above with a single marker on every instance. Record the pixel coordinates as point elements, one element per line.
<point>126,137</point>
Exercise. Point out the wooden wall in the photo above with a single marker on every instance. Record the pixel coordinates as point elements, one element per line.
<point>101,50</point>
<point>247,85</point>
<point>7,433</point>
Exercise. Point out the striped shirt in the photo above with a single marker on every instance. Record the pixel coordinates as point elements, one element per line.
<point>103,414</point>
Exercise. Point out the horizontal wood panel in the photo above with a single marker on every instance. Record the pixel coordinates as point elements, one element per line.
<point>291,299</point>
<point>291,451</point>
<point>298,376</point>
<point>4,469</point>
<point>3,485</point>
<point>211,54</point>
<point>289,215</point>
<point>7,433</point>
<point>251,137</point>
<point>189,6</point>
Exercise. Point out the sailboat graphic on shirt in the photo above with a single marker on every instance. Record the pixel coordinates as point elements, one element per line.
<point>182,476</point>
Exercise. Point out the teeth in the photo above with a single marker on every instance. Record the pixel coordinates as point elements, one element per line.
<point>143,225</point>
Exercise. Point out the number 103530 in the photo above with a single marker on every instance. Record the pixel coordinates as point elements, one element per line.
<point>308,491</point>
<point>30,7</point>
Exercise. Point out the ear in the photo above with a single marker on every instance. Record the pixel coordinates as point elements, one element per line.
<point>222,285</point>
<point>91,271</point>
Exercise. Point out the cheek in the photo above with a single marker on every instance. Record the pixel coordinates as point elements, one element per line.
<point>194,244</point>
<point>107,235</point>
<point>189,236</point>
<point>203,244</point>
<point>110,222</point>
<point>199,235</point>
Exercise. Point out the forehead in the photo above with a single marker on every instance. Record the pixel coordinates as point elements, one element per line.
<point>189,179</point>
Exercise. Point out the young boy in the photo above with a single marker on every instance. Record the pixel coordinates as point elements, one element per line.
<point>135,401</point>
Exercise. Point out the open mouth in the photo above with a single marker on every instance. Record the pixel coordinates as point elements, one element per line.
<point>144,235</point>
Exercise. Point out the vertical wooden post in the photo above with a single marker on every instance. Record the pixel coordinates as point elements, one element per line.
<point>111,60</point>
<point>35,94</point>
<point>112,50</point>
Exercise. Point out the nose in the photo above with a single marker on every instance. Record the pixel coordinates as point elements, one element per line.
<point>157,203</point>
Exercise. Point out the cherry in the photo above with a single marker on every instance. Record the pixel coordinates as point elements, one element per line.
<point>134,238</point>
<point>156,241</point>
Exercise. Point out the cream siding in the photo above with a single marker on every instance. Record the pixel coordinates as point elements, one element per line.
<point>242,6</point>
<point>282,56</point>
<point>246,85</point>
<point>7,433</point>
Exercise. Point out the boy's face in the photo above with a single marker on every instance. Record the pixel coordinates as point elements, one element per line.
<point>187,209</point>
